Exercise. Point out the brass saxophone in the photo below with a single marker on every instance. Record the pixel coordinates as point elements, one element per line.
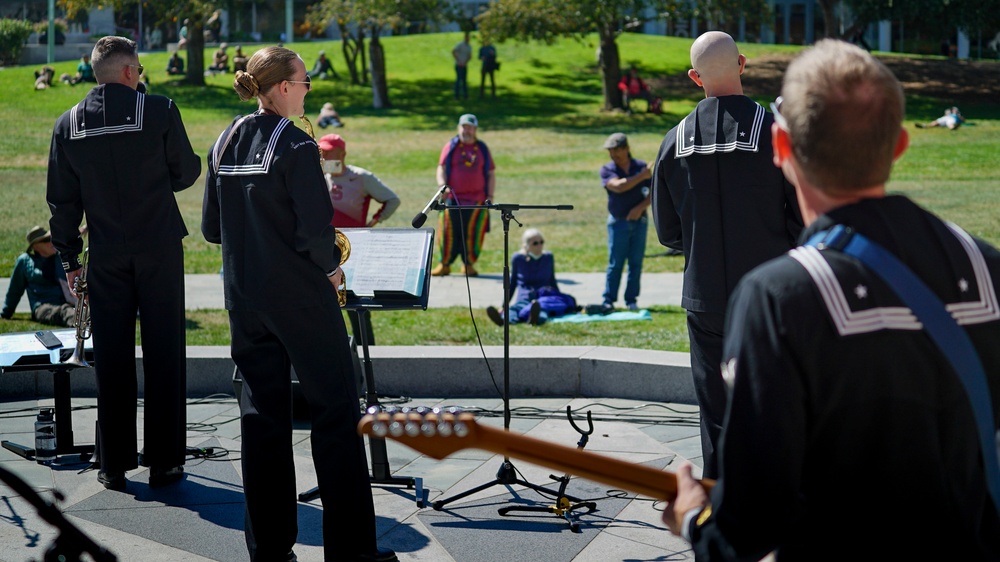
<point>82,318</point>
<point>342,242</point>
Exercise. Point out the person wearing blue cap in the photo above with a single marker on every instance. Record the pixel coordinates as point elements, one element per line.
<point>466,167</point>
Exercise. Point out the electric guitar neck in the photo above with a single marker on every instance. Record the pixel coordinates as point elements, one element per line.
<point>439,434</point>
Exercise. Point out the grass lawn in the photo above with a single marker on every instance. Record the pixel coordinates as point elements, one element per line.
<point>545,130</point>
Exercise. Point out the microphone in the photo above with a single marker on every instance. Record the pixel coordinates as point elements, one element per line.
<point>418,220</point>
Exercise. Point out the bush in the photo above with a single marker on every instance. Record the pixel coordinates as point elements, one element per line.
<point>13,36</point>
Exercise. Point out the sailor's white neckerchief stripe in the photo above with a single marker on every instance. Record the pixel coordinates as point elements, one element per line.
<point>132,122</point>
<point>261,165</point>
<point>686,129</point>
<point>848,321</point>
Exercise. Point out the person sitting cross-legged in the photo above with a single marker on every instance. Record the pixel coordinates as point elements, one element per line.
<point>537,297</point>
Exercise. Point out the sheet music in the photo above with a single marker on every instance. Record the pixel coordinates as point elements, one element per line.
<point>385,259</point>
<point>22,344</point>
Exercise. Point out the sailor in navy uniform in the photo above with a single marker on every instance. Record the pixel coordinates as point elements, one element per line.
<point>718,198</point>
<point>849,433</point>
<point>267,203</point>
<point>118,156</point>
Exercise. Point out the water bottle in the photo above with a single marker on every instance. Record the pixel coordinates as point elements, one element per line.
<point>45,437</point>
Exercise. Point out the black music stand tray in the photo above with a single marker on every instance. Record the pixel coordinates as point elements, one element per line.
<point>63,410</point>
<point>359,310</point>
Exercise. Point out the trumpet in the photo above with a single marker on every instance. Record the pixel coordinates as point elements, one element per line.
<point>341,239</point>
<point>82,318</point>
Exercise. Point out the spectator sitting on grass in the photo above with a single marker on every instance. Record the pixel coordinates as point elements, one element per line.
<point>537,297</point>
<point>952,119</point>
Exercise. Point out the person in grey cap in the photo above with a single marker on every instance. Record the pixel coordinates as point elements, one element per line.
<point>38,272</point>
<point>718,198</point>
<point>626,181</point>
<point>466,167</point>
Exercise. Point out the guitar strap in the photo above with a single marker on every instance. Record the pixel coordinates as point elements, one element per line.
<point>939,325</point>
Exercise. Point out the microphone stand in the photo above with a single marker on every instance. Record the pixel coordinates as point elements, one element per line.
<point>507,474</point>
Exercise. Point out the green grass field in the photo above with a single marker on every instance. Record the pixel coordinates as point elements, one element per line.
<point>545,129</point>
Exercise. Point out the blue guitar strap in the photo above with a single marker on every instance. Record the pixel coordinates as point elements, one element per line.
<point>939,325</point>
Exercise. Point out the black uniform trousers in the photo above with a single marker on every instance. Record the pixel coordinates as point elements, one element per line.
<point>265,345</point>
<point>150,284</point>
<point>705,336</point>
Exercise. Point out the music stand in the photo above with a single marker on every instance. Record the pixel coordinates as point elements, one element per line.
<point>389,269</point>
<point>21,352</point>
<point>506,474</point>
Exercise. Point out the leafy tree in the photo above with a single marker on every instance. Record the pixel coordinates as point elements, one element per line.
<point>940,17</point>
<point>195,10</point>
<point>352,37</point>
<point>372,18</point>
<point>546,20</point>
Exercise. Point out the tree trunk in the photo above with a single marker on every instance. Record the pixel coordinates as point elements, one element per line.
<point>196,54</point>
<point>380,90</point>
<point>349,45</point>
<point>829,20</point>
<point>610,67</point>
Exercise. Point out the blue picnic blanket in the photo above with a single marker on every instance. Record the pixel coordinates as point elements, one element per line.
<point>623,315</point>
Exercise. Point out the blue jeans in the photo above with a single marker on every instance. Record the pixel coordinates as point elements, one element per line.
<point>626,243</point>
<point>461,84</point>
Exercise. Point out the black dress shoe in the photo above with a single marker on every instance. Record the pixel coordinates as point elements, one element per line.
<point>291,557</point>
<point>494,315</point>
<point>112,480</point>
<point>164,476</point>
<point>533,313</point>
<point>377,556</point>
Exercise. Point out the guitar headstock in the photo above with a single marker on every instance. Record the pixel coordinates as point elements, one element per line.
<point>434,432</point>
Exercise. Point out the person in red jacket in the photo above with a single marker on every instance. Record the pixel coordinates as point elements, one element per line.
<point>633,87</point>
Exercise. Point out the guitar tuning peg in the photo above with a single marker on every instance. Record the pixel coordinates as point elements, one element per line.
<point>428,429</point>
<point>396,429</point>
<point>422,411</point>
<point>444,428</point>
<point>379,429</point>
<point>373,410</point>
<point>461,429</point>
<point>412,428</point>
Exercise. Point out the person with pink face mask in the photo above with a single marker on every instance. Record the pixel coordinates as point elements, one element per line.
<point>352,189</point>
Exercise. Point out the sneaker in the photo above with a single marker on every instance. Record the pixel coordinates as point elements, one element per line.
<point>920,125</point>
<point>494,315</point>
<point>469,271</point>
<point>633,306</point>
<point>533,313</point>
<point>440,270</point>
<point>112,480</point>
<point>165,476</point>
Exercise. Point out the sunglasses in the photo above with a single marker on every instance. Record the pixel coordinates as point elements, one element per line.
<point>537,242</point>
<point>307,82</point>
<point>778,117</point>
<point>139,66</point>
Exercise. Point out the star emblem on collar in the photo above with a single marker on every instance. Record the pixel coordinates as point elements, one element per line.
<point>861,292</point>
<point>743,133</point>
<point>691,139</point>
<point>963,285</point>
<point>129,118</point>
<point>257,156</point>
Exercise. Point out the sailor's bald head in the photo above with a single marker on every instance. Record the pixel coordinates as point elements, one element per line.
<point>714,56</point>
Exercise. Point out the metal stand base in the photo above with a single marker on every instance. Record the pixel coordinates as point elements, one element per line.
<point>63,417</point>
